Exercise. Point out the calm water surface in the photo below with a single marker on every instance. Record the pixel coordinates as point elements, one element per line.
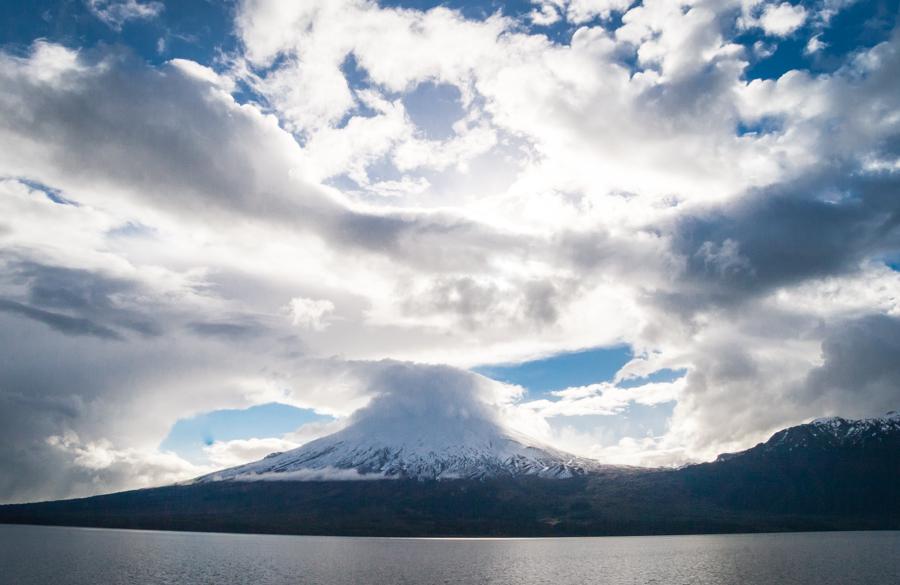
<point>32,555</point>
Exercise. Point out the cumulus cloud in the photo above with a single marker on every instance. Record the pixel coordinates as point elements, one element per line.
<point>782,19</point>
<point>231,453</point>
<point>222,454</point>
<point>100,461</point>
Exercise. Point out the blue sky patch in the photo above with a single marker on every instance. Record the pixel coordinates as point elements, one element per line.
<point>579,368</point>
<point>131,229</point>
<point>765,125</point>
<point>52,194</point>
<point>190,29</point>
<point>434,108</point>
<point>188,436</point>
<point>859,26</point>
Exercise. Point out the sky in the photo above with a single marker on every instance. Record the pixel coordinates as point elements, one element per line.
<point>646,232</point>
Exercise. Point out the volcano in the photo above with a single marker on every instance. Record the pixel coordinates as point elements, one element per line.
<point>426,435</point>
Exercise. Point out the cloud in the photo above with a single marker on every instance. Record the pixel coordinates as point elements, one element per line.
<point>605,398</point>
<point>579,11</point>
<point>73,106</point>
<point>406,393</point>
<point>252,174</point>
<point>139,468</point>
<point>62,323</point>
<point>624,185</point>
<point>223,454</point>
<point>545,14</point>
<point>310,313</point>
<point>115,13</point>
<point>782,19</point>
<point>477,303</point>
<point>239,451</point>
<point>102,305</point>
<point>860,373</point>
<point>793,233</point>
<point>814,45</point>
<point>225,330</point>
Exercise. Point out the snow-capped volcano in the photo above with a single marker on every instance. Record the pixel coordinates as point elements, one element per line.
<point>469,449</point>
<point>440,429</point>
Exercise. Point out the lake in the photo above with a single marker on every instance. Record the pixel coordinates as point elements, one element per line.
<point>38,555</point>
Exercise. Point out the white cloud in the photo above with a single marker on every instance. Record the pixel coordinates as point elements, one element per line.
<point>223,454</point>
<point>782,19</point>
<point>578,11</point>
<point>310,313</point>
<point>115,13</point>
<point>815,44</point>
<point>724,258</point>
<point>604,399</point>
<point>107,466</point>
<point>405,186</point>
<point>545,14</point>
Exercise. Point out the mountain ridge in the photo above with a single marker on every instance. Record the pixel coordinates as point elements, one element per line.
<point>833,431</point>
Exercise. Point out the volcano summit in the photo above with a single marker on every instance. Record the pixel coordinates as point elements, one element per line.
<point>443,430</point>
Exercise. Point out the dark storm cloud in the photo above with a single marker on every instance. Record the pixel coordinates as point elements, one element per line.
<point>789,234</point>
<point>481,303</point>
<point>860,373</point>
<point>87,391</point>
<point>114,351</point>
<point>227,330</point>
<point>78,302</point>
<point>62,323</point>
<point>89,293</point>
<point>37,400</point>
